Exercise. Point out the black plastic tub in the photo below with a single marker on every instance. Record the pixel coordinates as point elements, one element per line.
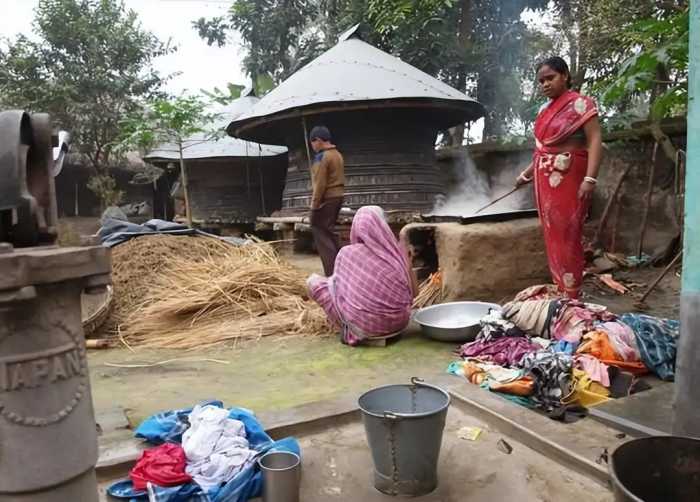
<point>657,469</point>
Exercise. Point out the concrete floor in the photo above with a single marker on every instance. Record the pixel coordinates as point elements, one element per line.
<point>337,465</point>
<point>269,374</point>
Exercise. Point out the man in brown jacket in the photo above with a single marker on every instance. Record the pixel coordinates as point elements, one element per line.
<point>328,182</point>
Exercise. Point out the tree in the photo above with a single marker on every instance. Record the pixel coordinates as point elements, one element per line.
<point>657,70</point>
<point>274,35</point>
<point>471,44</point>
<point>171,123</point>
<point>89,64</point>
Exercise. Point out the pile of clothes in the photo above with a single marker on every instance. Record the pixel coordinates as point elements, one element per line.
<point>204,454</point>
<point>557,354</point>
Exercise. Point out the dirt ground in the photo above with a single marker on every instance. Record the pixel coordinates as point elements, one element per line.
<point>271,374</point>
<point>664,301</point>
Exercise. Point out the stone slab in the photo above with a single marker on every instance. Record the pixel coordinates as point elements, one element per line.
<point>648,413</point>
<point>33,266</point>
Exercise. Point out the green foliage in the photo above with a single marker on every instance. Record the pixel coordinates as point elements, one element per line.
<point>167,120</point>
<point>105,187</point>
<point>618,49</point>
<point>89,64</point>
<point>658,68</point>
<point>225,96</point>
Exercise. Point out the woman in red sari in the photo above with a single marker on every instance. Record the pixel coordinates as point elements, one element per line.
<point>565,166</point>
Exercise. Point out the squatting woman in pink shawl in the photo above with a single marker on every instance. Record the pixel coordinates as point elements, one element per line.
<point>372,287</point>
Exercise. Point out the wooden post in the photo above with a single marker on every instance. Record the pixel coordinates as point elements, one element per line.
<point>185,187</point>
<point>306,140</point>
<point>647,202</point>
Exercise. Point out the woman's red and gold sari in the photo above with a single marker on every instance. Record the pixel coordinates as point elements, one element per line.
<point>558,175</point>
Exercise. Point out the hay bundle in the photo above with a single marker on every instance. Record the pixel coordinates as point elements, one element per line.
<point>226,295</point>
<point>137,264</point>
<point>430,291</point>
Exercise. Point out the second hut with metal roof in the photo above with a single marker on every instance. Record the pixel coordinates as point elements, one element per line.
<point>230,181</point>
<point>384,115</point>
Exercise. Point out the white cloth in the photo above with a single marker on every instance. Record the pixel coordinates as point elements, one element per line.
<point>215,446</point>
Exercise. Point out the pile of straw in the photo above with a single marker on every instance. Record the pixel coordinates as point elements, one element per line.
<point>137,264</point>
<point>430,291</point>
<point>222,293</point>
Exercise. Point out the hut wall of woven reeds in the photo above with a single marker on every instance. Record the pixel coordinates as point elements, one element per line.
<point>384,116</point>
<point>231,181</point>
<point>234,190</point>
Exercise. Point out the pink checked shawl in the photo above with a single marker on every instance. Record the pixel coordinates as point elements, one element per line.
<point>371,286</point>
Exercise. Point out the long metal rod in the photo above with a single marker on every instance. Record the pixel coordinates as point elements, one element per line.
<point>661,276</point>
<point>498,199</point>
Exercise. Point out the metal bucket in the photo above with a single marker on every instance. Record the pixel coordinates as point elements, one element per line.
<point>657,469</point>
<point>404,425</point>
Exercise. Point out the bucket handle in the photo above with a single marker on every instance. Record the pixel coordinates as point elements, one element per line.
<point>415,381</point>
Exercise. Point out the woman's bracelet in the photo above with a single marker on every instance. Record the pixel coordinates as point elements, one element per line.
<point>590,180</point>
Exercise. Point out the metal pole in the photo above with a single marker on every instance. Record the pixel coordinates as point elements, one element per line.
<point>686,406</point>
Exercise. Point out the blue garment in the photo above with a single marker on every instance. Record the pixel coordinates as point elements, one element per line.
<point>564,347</point>
<point>456,368</point>
<point>170,425</point>
<point>656,339</point>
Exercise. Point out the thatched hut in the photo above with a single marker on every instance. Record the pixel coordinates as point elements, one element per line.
<point>231,181</point>
<point>384,115</point>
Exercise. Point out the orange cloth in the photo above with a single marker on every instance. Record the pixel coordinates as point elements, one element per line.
<point>597,344</point>
<point>521,387</point>
<point>473,373</point>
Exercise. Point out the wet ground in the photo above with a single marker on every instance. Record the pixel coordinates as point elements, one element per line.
<point>268,374</point>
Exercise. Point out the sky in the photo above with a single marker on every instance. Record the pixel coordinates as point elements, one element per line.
<point>200,66</point>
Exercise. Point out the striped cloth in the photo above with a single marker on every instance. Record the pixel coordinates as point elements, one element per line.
<point>369,293</point>
<point>656,340</point>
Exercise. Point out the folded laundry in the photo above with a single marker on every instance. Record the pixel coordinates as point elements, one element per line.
<point>656,340</point>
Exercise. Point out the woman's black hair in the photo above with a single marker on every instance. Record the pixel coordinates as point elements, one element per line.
<point>558,65</point>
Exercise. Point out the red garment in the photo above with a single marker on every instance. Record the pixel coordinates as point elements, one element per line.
<point>163,465</point>
<point>558,176</point>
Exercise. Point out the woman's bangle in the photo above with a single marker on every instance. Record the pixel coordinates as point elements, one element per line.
<point>590,180</point>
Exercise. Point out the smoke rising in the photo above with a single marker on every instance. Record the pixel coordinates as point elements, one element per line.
<point>473,191</point>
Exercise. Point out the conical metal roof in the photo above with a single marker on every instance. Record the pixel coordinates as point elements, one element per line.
<point>199,147</point>
<point>355,72</point>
